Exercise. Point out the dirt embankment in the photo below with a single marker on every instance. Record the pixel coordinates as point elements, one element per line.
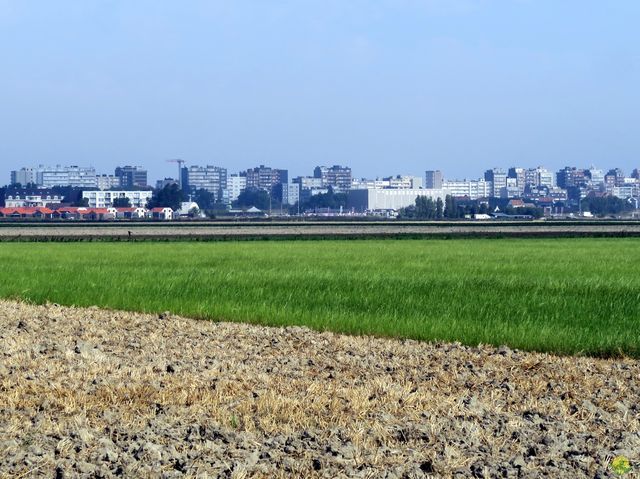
<point>94,393</point>
<point>186,231</point>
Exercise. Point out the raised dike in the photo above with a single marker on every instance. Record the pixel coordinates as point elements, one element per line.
<point>226,230</point>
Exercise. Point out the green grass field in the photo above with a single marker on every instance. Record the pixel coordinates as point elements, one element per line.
<point>578,296</point>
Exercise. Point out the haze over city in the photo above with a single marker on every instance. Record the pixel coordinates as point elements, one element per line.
<point>386,87</point>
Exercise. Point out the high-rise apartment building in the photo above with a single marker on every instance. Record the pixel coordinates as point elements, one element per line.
<point>27,176</point>
<point>236,184</point>
<point>50,176</point>
<point>618,176</point>
<point>498,178</point>
<point>570,177</point>
<point>210,178</point>
<point>472,189</point>
<point>433,179</point>
<point>107,182</point>
<point>131,176</point>
<point>75,176</point>
<point>520,177</point>
<point>290,193</point>
<point>265,178</point>
<point>596,176</point>
<point>336,176</point>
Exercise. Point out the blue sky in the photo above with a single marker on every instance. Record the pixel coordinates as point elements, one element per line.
<point>385,86</point>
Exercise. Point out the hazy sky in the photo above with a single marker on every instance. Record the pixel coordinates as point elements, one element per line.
<point>385,86</point>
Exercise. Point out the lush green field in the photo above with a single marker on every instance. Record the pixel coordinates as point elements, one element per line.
<point>561,295</point>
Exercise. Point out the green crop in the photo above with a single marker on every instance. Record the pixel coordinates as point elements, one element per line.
<point>568,296</point>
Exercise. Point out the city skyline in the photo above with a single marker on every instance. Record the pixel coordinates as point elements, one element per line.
<point>309,173</point>
<point>420,83</point>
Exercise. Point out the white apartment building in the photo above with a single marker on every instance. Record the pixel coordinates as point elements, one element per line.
<point>309,182</point>
<point>290,193</point>
<point>540,177</point>
<point>405,182</point>
<point>31,198</point>
<point>627,191</point>
<point>106,182</point>
<point>473,189</point>
<point>104,199</point>
<point>76,176</point>
<point>365,184</point>
<point>236,184</point>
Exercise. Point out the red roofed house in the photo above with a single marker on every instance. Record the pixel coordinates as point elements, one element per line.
<point>26,212</point>
<point>131,213</point>
<point>98,214</point>
<point>162,213</point>
<point>71,212</point>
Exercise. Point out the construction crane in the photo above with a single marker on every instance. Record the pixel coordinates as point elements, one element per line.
<point>180,163</point>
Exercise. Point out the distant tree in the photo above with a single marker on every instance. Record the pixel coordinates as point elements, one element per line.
<point>71,196</point>
<point>407,213</point>
<point>81,202</point>
<point>194,212</point>
<point>606,205</point>
<point>276,193</point>
<point>533,211</point>
<point>253,197</point>
<point>204,198</point>
<point>3,193</point>
<point>451,209</point>
<point>121,203</point>
<point>170,196</point>
<point>330,199</point>
<point>426,208</point>
<point>439,209</point>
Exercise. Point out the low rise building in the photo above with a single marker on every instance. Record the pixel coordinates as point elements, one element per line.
<point>388,199</point>
<point>31,197</point>
<point>161,213</point>
<point>26,212</point>
<point>104,199</point>
<point>131,213</point>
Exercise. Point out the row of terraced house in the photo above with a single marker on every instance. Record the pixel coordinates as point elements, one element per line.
<point>84,213</point>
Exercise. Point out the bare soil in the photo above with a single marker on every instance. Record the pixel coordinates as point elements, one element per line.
<point>95,393</point>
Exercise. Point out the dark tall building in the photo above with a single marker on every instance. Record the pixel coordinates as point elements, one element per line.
<point>336,176</point>
<point>131,176</point>
<point>265,178</point>
<point>571,177</point>
<point>618,177</point>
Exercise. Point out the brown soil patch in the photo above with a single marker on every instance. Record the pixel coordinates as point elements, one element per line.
<point>95,393</point>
